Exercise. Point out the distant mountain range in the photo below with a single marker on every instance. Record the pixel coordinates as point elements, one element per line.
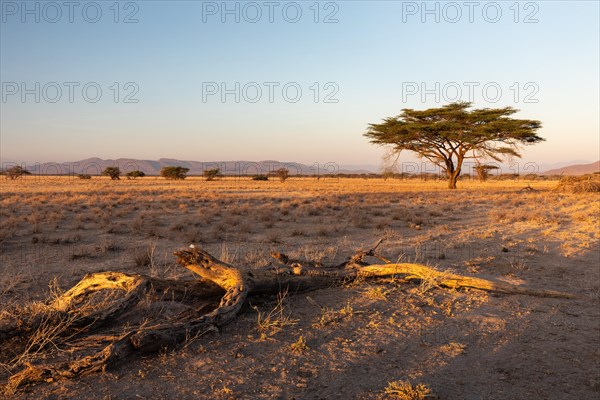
<point>577,169</point>
<point>95,166</point>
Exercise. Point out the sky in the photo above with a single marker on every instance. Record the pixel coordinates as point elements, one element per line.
<point>289,81</point>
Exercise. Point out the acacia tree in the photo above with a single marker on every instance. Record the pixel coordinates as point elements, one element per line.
<point>211,174</point>
<point>174,173</point>
<point>483,171</point>
<point>135,174</point>
<point>16,172</point>
<point>113,172</point>
<point>449,135</point>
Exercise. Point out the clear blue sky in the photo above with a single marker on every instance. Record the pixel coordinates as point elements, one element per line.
<point>371,55</point>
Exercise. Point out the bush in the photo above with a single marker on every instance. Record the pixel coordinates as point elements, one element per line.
<point>403,390</point>
<point>211,174</point>
<point>282,174</point>
<point>175,173</point>
<point>113,172</point>
<point>84,176</point>
<point>260,178</point>
<point>135,174</point>
<point>580,184</point>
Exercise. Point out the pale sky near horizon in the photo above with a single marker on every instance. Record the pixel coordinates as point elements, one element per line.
<point>373,58</point>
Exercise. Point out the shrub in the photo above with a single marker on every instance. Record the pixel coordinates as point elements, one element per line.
<point>135,174</point>
<point>174,173</point>
<point>580,184</point>
<point>403,390</point>
<point>211,174</point>
<point>84,176</point>
<point>113,172</point>
<point>282,174</point>
<point>260,178</point>
<point>299,346</point>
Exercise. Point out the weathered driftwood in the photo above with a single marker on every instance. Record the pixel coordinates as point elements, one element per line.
<point>218,279</point>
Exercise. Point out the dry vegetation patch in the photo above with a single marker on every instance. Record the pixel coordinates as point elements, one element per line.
<point>355,341</point>
<point>580,184</point>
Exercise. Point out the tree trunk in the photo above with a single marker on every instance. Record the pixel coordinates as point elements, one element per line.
<point>96,318</point>
<point>452,182</point>
<point>453,178</point>
<point>454,172</point>
<point>451,173</point>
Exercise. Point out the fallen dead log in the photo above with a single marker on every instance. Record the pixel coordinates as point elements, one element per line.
<point>86,307</point>
<point>218,279</point>
<point>528,188</point>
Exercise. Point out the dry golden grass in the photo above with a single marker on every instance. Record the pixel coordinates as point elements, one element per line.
<point>78,225</point>
<point>61,228</point>
<point>403,390</point>
<point>276,320</point>
<point>580,184</point>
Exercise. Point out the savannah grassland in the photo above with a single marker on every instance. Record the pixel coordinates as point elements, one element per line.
<point>345,342</point>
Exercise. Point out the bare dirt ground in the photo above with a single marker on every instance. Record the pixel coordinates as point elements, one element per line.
<point>346,342</point>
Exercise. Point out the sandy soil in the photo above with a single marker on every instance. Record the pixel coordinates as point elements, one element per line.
<point>359,337</point>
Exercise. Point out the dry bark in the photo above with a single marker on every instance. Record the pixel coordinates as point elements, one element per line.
<point>232,284</point>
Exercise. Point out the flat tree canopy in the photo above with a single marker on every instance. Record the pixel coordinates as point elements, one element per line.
<point>113,172</point>
<point>135,174</point>
<point>449,135</point>
<point>16,172</point>
<point>174,173</point>
<point>211,174</point>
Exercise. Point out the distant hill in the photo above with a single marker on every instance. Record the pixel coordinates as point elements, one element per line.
<point>95,166</point>
<point>578,169</point>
